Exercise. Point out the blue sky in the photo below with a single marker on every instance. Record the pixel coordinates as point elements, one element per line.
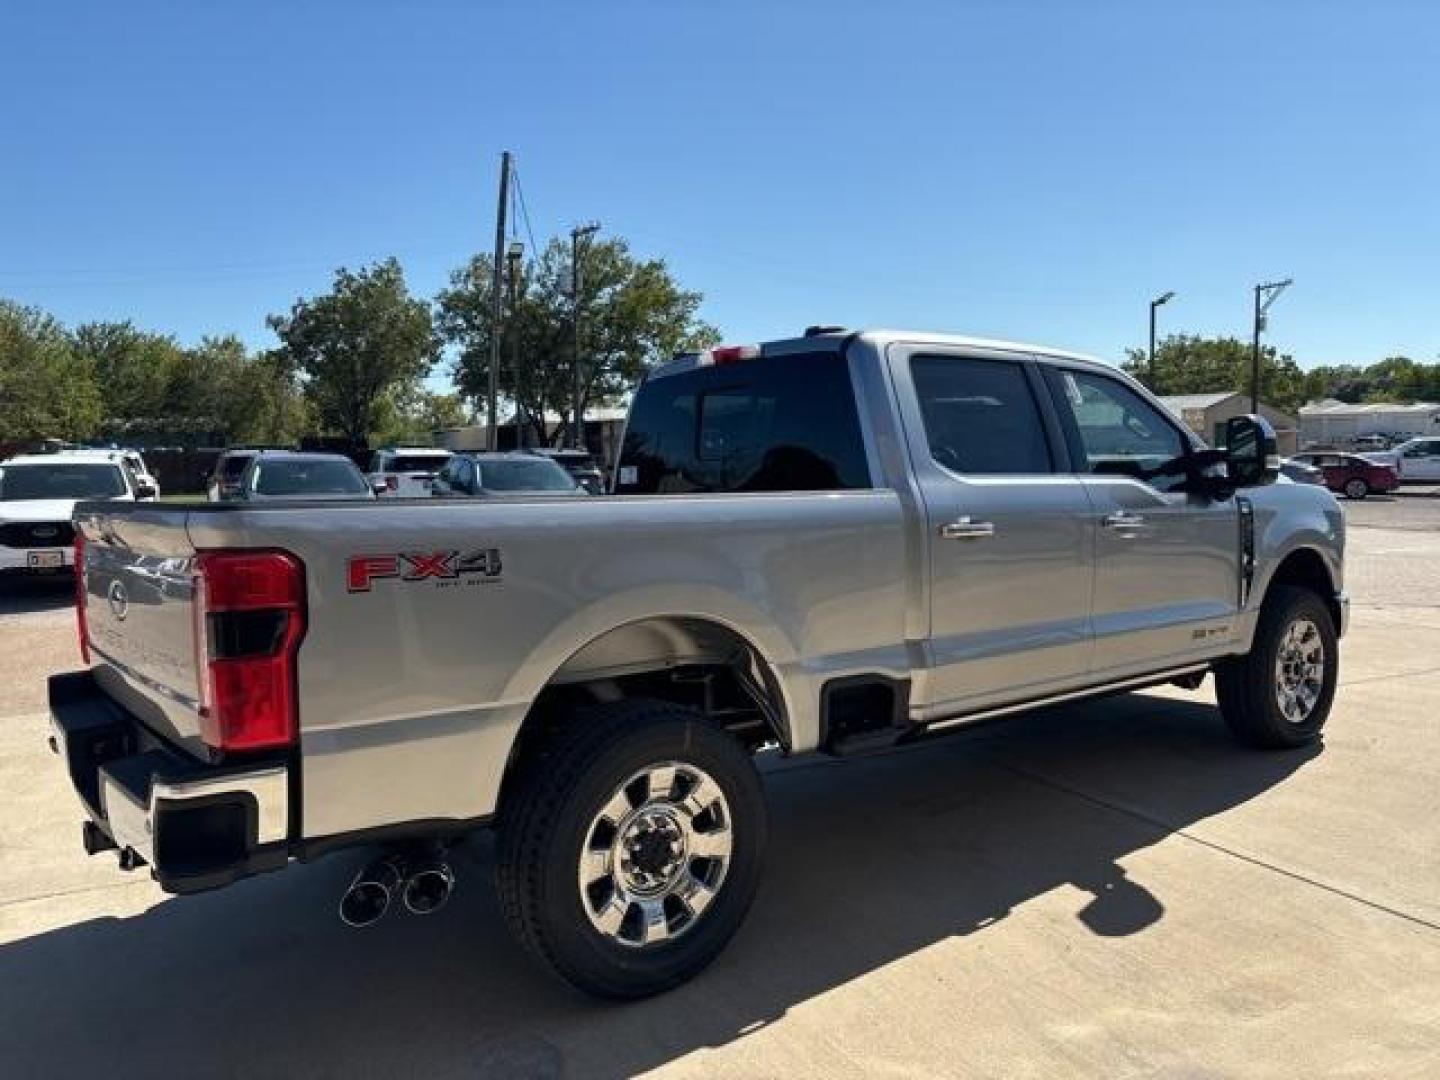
<point>1034,171</point>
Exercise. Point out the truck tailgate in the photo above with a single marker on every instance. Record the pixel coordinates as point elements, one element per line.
<point>136,591</point>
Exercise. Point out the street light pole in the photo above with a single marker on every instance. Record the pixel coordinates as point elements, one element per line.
<point>1157,302</point>
<point>577,422</point>
<point>1265,295</point>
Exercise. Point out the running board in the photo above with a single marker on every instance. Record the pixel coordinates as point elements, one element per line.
<point>1139,682</point>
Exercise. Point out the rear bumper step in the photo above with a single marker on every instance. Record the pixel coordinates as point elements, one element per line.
<point>197,825</point>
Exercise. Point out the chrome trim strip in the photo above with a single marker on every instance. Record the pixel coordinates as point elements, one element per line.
<point>268,787</point>
<point>1072,695</point>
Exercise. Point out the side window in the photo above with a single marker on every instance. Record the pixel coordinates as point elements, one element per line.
<point>786,423</point>
<point>1116,430</point>
<point>980,416</point>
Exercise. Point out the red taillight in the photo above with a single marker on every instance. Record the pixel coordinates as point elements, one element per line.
<point>250,617</point>
<point>82,625</point>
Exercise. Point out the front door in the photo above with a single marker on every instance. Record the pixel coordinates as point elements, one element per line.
<point>1166,561</point>
<point>1007,533</point>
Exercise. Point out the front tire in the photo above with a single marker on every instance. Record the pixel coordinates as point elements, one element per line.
<point>1278,696</point>
<point>630,847</point>
<point>1356,488</point>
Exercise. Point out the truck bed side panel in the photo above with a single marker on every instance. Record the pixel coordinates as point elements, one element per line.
<point>412,686</point>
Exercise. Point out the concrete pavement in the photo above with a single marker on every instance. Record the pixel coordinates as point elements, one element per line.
<point>1109,889</point>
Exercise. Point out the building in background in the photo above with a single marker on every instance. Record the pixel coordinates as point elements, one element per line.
<point>1205,414</point>
<point>604,426</point>
<point>1338,424</point>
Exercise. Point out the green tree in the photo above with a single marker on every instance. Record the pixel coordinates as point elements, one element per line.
<point>47,389</point>
<point>412,418</point>
<point>1396,378</point>
<point>633,315</point>
<point>356,345</point>
<point>133,369</point>
<point>1186,364</point>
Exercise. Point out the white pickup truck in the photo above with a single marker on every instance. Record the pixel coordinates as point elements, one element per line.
<point>835,543</point>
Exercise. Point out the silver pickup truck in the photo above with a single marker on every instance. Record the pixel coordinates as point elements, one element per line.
<point>836,543</point>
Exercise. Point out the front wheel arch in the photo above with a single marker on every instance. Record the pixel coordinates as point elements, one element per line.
<point>1305,568</point>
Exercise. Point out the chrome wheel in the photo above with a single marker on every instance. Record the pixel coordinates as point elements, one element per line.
<point>1299,671</point>
<point>655,855</point>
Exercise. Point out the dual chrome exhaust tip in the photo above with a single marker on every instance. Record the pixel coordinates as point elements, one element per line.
<point>423,884</point>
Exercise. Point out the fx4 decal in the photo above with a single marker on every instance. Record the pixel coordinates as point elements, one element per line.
<point>361,571</point>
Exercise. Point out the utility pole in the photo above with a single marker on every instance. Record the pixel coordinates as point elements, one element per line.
<point>497,307</point>
<point>512,260</point>
<point>577,421</point>
<point>1265,295</point>
<point>1159,300</point>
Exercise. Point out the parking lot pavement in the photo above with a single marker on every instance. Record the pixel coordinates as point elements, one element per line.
<point>1107,889</point>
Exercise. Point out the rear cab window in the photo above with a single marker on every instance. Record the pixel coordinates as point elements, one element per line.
<point>782,423</point>
<point>408,463</point>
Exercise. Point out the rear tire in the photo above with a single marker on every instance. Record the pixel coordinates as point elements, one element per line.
<point>1356,488</point>
<point>630,847</point>
<point>1278,696</point>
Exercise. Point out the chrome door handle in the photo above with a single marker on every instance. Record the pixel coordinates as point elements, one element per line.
<point>965,529</point>
<point>1123,519</point>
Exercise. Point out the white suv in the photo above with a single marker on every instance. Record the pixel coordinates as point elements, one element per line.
<point>406,472</point>
<point>38,493</point>
<point>130,458</point>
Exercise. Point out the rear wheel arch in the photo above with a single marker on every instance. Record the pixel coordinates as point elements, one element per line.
<point>694,661</point>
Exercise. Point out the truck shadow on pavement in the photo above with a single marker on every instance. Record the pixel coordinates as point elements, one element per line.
<point>870,860</point>
<point>22,596</point>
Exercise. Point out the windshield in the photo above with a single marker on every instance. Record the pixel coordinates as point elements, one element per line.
<point>307,478</point>
<point>427,463</point>
<point>538,475</point>
<point>60,482</point>
<point>233,466</point>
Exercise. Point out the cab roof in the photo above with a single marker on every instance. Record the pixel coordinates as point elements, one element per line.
<point>834,339</point>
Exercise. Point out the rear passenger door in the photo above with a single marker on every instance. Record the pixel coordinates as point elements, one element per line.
<point>1007,530</point>
<point>1166,561</point>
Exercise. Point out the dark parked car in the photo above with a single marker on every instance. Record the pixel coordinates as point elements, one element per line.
<point>276,476</point>
<point>222,483</point>
<point>1350,474</point>
<point>579,464</point>
<point>484,476</point>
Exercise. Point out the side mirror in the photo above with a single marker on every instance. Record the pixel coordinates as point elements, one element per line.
<point>1251,456</point>
<point>379,487</point>
<point>146,491</point>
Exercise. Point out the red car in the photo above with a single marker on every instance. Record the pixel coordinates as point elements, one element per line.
<point>1352,475</point>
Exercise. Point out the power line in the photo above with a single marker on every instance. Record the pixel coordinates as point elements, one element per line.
<point>525,212</point>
